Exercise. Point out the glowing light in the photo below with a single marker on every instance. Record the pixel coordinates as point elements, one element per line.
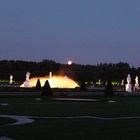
<point>69,62</point>
<point>50,75</point>
<point>54,81</point>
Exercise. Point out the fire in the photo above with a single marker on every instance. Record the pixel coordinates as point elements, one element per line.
<point>54,81</point>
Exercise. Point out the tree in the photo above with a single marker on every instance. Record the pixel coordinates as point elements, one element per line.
<point>46,91</point>
<point>109,89</point>
<point>38,85</point>
<point>82,86</point>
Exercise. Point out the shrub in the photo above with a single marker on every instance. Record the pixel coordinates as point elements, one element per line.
<point>38,85</point>
<point>109,89</point>
<point>46,91</point>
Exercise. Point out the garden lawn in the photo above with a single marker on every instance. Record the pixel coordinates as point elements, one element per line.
<point>72,128</point>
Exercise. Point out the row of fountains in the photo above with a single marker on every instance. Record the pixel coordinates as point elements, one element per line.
<point>56,81</point>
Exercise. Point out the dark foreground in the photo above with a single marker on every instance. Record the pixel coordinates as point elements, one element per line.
<point>112,118</point>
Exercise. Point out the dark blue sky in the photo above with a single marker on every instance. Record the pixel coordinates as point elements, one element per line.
<point>85,31</point>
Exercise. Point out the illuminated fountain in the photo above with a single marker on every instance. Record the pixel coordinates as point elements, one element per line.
<point>55,81</point>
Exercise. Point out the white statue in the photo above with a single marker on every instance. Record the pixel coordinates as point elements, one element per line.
<point>27,76</point>
<point>11,79</point>
<point>26,83</point>
<point>99,82</point>
<point>91,86</point>
<point>128,85</point>
<point>122,83</point>
<point>136,82</point>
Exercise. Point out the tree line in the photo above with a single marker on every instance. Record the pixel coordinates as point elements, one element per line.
<point>78,72</point>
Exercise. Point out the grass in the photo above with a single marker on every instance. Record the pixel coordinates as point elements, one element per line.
<point>72,129</point>
<point>4,121</point>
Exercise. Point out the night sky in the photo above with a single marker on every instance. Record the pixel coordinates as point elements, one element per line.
<point>84,31</point>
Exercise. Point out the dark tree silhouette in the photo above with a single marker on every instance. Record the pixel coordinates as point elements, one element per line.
<point>38,85</point>
<point>82,86</point>
<point>109,89</point>
<point>78,72</point>
<point>47,91</point>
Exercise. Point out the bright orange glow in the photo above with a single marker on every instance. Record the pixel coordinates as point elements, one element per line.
<point>54,81</point>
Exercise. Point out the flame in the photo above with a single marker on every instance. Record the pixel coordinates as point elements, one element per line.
<point>54,81</point>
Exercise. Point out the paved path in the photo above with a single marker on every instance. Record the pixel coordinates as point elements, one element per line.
<point>29,119</point>
<point>75,99</point>
<point>19,119</point>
